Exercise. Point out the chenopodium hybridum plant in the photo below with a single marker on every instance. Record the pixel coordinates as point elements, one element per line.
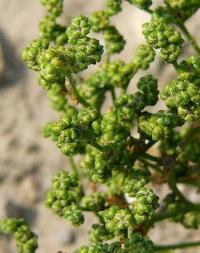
<point>120,166</point>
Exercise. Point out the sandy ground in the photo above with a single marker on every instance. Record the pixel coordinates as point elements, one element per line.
<point>27,161</point>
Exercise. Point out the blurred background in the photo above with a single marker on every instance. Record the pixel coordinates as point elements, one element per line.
<point>27,160</point>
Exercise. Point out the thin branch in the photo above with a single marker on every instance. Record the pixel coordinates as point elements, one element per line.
<point>189,37</point>
<point>176,246</point>
<point>150,157</point>
<point>172,184</point>
<point>112,91</point>
<point>73,164</point>
<point>153,166</point>
<point>79,98</point>
<point>167,215</point>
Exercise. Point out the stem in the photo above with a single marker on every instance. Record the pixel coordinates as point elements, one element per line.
<point>176,66</point>
<point>148,11</point>
<point>113,94</point>
<point>190,181</point>
<point>97,146</point>
<point>150,144</point>
<point>162,216</point>
<point>150,157</point>
<point>180,211</point>
<point>73,164</point>
<point>153,166</point>
<point>80,99</point>
<point>189,37</point>
<point>174,188</point>
<point>176,246</point>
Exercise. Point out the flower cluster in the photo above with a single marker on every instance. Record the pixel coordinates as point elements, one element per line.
<point>100,22</point>
<point>137,244</point>
<point>143,4</point>
<point>183,9</point>
<point>115,145</point>
<point>183,94</point>
<point>64,197</point>
<point>70,127</point>
<point>159,125</point>
<point>26,240</point>
<point>189,219</point>
<point>56,64</point>
<point>164,37</point>
<point>115,74</point>
<point>144,206</point>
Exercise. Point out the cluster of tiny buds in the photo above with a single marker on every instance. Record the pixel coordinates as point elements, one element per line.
<point>116,161</point>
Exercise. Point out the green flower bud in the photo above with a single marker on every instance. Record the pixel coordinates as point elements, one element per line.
<point>26,240</point>
<point>164,37</point>
<point>127,106</point>
<point>163,14</point>
<point>159,125</point>
<point>50,30</point>
<point>114,40</point>
<point>116,220</point>
<point>183,96</point>
<point>135,181</point>
<point>139,244</point>
<point>188,148</point>
<point>99,21</point>
<point>99,233</point>
<point>113,6</point>
<point>94,202</point>
<point>30,54</point>
<point>183,9</point>
<point>88,115</point>
<point>117,73</point>
<point>143,4</point>
<point>64,196</point>
<point>52,64</point>
<point>144,57</point>
<point>57,97</point>
<point>78,29</point>
<point>148,85</point>
<point>73,214</point>
<point>144,206</point>
<point>99,247</point>
<point>191,220</point>
<point>95,165</point>
<point>54,7</point>
<point>87,51</point>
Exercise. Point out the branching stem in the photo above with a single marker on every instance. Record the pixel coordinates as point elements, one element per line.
<point>151,157</point>
<point>73,164</point>
<point>153,166</point>
<point>79,98</point>
<point>176,246</point>
<point>189,37</point>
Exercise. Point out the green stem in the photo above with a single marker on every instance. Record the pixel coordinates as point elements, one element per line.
<point>80,99</point>
<point>172,184</point>
<point>150,157</point>
<point>167,215</point>
<point>153,166</point>
<point>150,144</point>
<point>73,164</point>
<point>148,11</point>
<point>176,246</point>
<point>190,181</point>
<point>97,146</point>
<point>113,94</point>
<point>176,66</point>
<point>189,37</point>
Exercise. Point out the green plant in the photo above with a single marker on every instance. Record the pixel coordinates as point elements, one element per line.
<point>126,206</point>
